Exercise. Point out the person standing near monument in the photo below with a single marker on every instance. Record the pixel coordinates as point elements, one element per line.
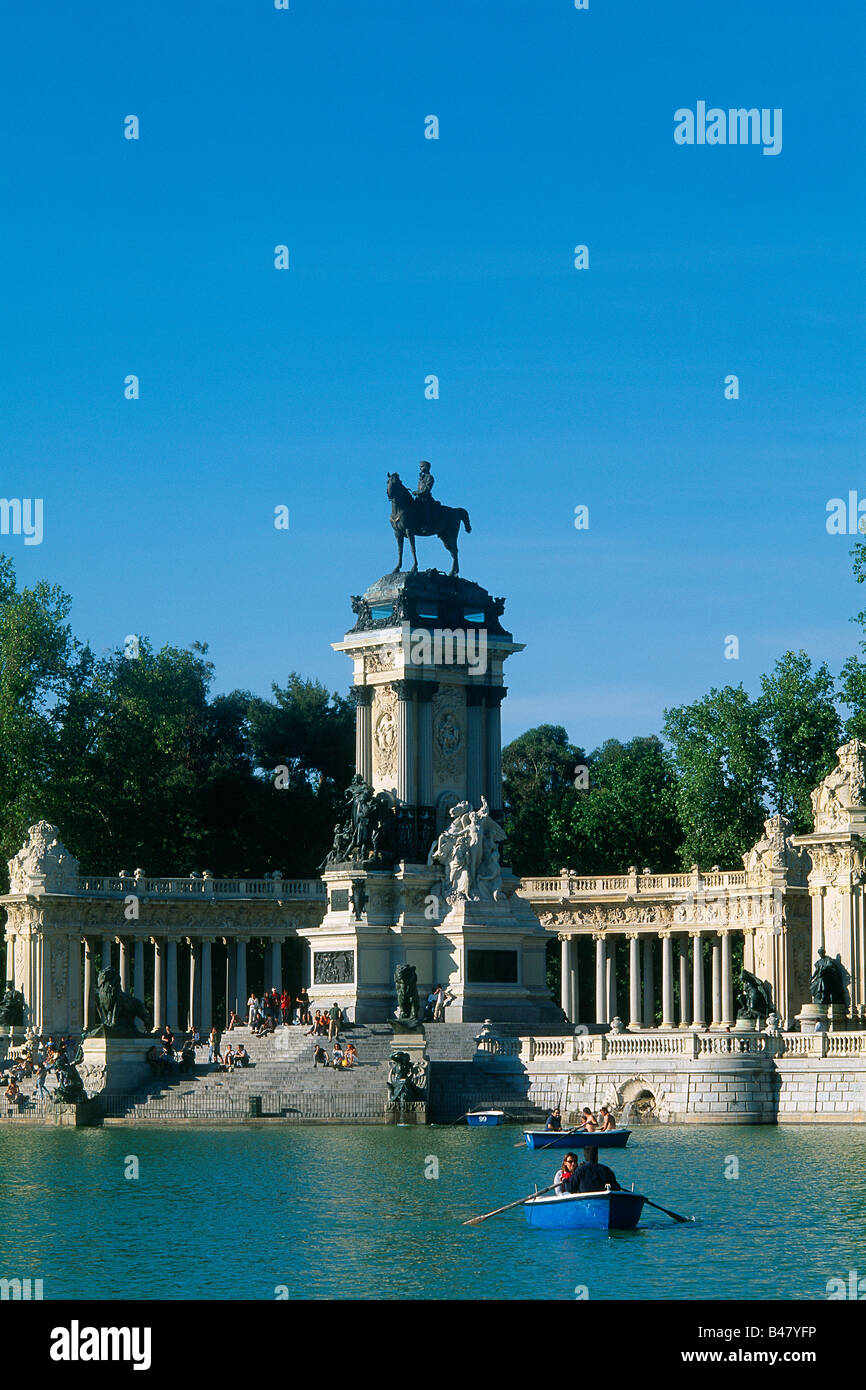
<point>334,1022</point>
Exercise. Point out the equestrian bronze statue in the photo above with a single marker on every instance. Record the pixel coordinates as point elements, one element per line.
<point>422,515</point>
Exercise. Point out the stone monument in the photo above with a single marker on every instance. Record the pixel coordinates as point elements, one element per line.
<point>415,875</point>
<point>836,849</point>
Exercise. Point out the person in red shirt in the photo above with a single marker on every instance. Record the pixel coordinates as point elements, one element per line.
<point>286,1007</point>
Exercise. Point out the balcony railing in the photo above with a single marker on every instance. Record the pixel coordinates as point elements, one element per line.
<point>688,1045</point>
<point>278,888</point>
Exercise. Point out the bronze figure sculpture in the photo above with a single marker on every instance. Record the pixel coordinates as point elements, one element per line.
<point>12,1008</point>
<point>422,515</point>
<point>117,1010</point>
<point>826,985</point>
<point>755,997</point>
<point>406,985</point>
<point>403,1080</point>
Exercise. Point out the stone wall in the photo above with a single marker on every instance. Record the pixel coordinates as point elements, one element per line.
<point>678,1078</point>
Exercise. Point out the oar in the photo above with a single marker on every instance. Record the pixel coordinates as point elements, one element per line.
<point>474,1220</point>
<point>673,1214</point>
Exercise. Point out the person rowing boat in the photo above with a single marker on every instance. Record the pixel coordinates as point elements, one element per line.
<point>589,1176</point>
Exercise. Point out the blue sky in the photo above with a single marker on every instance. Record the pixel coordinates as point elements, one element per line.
<point>409,256</point>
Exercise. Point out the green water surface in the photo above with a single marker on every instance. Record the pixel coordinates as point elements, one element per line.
<point>347,1212</point>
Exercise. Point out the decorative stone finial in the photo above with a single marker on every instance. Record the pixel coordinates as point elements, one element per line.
<point>775,854</point>
<point>43,863</point>
<point>842,790</point>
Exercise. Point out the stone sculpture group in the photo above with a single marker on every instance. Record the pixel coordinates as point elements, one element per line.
<point>368,835</point>
<point>467,851</point>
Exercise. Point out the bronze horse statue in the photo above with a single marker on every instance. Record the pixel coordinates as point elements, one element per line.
<point>410,517</point>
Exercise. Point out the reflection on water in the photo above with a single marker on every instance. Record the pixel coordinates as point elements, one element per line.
<point>346,1212</point>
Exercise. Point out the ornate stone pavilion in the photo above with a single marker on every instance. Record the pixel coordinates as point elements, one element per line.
<point>428,653</point>
<point>177,936</point>
<point>793,896</point>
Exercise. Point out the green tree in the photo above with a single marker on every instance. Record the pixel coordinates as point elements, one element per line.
<point>539,770</point>
<point>801,725</point>
<point>723,763</point>
<point>134,745</point>
<point>37,653</point>
<point>626,816</point>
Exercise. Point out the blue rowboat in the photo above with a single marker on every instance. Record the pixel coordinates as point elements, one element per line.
<point>576,1139</point>
<point>586,1211</point>
<point>485,1117</point>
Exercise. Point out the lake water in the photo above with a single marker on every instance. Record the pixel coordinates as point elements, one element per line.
<point>331,1211</point>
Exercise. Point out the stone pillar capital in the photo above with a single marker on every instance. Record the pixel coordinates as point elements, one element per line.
<point>475,695</point>
<point>426,690</point>
<point>361,694</point>
<point>494,695</point>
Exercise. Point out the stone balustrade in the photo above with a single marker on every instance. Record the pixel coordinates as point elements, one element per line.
<point>569,885</point>
<point>602,1047</point>
<point>205,887</point>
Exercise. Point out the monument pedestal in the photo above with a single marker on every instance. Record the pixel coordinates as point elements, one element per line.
<point>80,1114</point>
<point>413,1042</point>
<point>491,956</point>
<point>810,1014</point>
<point>748,1025</point>
<point>115,1066</point>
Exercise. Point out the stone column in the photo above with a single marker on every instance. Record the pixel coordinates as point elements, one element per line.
<point>171,985</point>
<point>649,984</point>
<point>612,1002</point>
<point>601,999</point>
<point>717,981</point>
<point>231,976</point>
<point>158,1006</point>
<point>565,977</point>
<point>633,981</point>
<point>207,1018</point>
<point>474,761</point>
<point>363,698</point>
<point>124,963</point>
<point>89,955</point>
<point>406,760</point>
<point>105,961</point>
<point>277,966</point>
<point>698,1008</point>
<point>138,969</point>
<point>241,990</point>
<point>667,980</point>
<point>426,691</point>
<point>727,982</point>
<point>685,1000</point>
<point>194,1012</point>
<point>493,780</point>
<point>573,994</point>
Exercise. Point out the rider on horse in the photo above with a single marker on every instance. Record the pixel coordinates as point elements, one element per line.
<point>427,503</point>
